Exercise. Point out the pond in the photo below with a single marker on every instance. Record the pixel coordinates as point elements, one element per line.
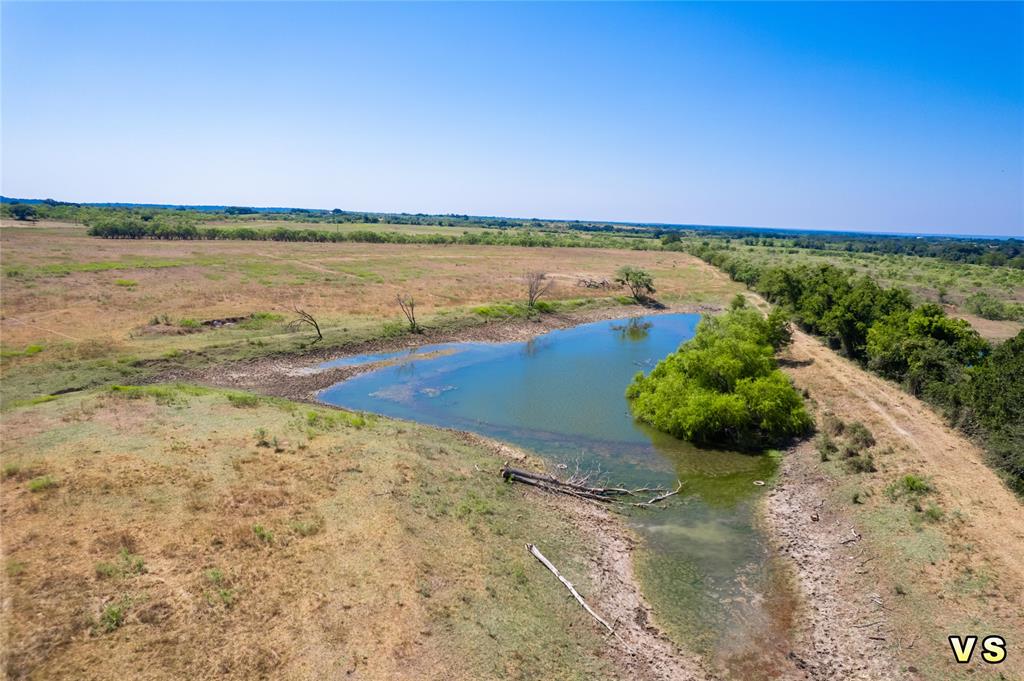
<point>703,564</point>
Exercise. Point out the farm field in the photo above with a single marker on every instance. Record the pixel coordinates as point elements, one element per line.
<point>928,279</point>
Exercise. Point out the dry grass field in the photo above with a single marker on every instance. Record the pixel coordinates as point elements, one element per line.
<point>61,285</point>
<point>172,531</point>
<point>176,532</point>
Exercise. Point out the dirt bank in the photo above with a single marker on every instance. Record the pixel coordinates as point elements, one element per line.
<point>640,649</point>
<point>883,583</point>
<point>841,630</point>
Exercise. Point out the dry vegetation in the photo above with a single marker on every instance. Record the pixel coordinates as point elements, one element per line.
<point>183,532</point>
<point>940,547</point>
<point>61,285</point>
<point>187,533</point>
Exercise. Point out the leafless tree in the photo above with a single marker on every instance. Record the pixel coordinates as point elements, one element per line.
<point>537,284</point>
<point>408,306</point>
<point>308,319</point>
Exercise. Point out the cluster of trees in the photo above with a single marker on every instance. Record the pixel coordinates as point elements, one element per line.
<point>943,360</point>
<point>996,252</point>
<point>723,386</point>
<point>988,306</point>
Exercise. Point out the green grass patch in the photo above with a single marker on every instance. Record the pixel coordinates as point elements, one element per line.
<point>41,484</point>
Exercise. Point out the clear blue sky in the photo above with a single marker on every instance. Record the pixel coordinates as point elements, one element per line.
<point>905,117</point>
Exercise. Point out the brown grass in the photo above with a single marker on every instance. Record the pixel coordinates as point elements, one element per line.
<point>948,562</point>
<point>174,546</point>
<point>341,283</point>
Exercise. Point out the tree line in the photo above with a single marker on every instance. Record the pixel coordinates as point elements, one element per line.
<point>978,386</point>
<point>134,228</point>
<point>994,252</point>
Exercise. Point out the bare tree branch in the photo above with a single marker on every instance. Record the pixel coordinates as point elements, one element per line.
<point>537,284</point>
<point>308,319</point>
<point>408,306</point>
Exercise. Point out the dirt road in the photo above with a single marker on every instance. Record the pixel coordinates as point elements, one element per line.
<point>895,596</point>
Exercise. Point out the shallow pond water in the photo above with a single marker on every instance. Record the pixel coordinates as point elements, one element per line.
<point>703,565</point>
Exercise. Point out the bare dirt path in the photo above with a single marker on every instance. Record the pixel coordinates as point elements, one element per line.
<point>873,609</point>
<point>954,463</point>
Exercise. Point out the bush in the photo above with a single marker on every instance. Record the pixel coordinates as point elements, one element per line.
<point>859,436</point>
<point>826,446</point>
<point>861,464</point>
<point>722,387</point>
<point>41,484</point>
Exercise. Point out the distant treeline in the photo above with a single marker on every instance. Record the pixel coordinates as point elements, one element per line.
<point>994,252</point>
<point>980,388</point>
<point>138,229</point>
<point>1009,252</point>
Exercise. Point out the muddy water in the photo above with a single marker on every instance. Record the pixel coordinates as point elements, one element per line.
<point>703,564</point>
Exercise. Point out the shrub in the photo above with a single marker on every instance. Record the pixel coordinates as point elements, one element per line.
<point>861,464</point>
<point>243,400</point>
<point>263,534</point>
<point>915,485</point>
<point>859,436</point>
<point>722,387</point>
<point>832,425</point>
<point>41,484</point>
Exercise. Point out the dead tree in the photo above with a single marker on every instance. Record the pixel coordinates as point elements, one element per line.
<point>537,284</point>
<point>308,319</point>
<point>408,306</point>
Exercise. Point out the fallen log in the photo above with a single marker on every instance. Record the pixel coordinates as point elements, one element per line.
<point>568,585</point>
<point>553,484</point>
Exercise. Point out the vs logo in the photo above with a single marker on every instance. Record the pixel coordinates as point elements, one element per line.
<point>993,648</point>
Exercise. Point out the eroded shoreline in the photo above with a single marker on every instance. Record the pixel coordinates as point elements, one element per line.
<point>643,650</point>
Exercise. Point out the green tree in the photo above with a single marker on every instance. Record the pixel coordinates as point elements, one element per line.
<point>639,282</point>
<point>22,211</point>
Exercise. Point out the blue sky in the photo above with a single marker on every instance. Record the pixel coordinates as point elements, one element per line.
<point>904,117</point>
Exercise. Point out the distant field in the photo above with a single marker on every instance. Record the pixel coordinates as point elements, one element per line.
<point>928,279</point>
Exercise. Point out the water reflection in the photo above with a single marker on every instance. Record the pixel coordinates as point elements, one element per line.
<point>562,395</point>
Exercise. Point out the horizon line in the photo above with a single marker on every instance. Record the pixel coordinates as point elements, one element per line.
<point>857,231</point>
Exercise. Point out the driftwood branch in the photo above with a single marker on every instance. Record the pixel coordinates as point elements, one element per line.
<point>568,585</point>
<point>662,497</point>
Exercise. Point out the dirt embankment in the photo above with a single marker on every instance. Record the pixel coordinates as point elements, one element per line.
<point>883,583</point>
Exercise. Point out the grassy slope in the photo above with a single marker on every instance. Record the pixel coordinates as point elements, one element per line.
<point>395,549</point>
<point>947,560</point>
